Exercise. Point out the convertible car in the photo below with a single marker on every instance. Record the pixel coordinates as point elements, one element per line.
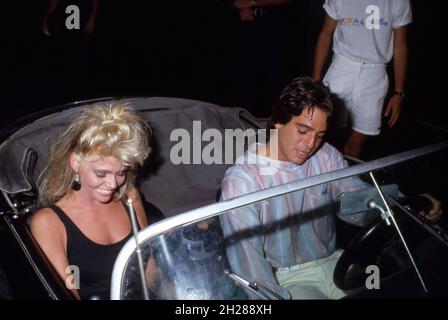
<point>400,253</point>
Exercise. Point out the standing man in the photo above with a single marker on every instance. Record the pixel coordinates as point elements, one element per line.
<point>366,35</point>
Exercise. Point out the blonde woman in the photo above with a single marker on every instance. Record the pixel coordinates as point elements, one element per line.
<point>90,172</point>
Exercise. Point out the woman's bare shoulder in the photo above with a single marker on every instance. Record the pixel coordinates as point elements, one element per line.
<point>45,218</point>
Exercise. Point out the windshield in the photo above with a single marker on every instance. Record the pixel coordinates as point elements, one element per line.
<point>221,254</point>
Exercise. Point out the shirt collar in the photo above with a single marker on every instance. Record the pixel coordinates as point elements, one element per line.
<point>254,158</point>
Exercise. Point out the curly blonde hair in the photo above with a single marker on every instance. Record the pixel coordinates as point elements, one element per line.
<point>102,130</point>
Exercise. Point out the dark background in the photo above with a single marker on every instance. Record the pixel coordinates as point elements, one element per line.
<point>195,49</point>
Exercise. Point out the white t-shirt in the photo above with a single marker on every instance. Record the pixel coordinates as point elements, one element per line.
<point>364,30</point>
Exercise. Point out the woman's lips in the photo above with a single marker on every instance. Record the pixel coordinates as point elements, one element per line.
<point>105,193</point>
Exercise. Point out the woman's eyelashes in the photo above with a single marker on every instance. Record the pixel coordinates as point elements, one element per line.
<point>102,174</point>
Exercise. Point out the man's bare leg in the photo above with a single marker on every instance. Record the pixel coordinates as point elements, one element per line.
<point>353,145</point>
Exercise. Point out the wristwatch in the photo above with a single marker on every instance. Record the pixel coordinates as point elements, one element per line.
<point>399,93</point>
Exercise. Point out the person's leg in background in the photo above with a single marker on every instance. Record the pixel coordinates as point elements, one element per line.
<point>369,91</point>
<point>340,78</point>
<point>354,143</point>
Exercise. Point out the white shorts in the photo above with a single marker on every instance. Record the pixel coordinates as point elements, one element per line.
<point>362,88</point>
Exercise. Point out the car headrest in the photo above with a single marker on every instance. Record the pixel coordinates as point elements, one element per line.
<point>173,188</point>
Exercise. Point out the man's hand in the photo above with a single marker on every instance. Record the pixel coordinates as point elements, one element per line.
<point>393,110</point>
<point>244,4</point>
<point>247,14</point>
<point>436,212</point>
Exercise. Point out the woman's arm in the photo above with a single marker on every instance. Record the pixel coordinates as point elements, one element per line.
<point>50,234</point>
<point>137,202</point>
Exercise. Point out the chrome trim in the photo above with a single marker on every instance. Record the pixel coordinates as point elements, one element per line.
<point>9,202</point>
<point>215,209</point>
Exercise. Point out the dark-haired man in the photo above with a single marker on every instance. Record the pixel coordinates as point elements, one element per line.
<point>289,242</point>
<point>296,258</point>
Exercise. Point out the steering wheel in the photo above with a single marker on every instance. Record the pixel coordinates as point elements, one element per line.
<point>377,244</point>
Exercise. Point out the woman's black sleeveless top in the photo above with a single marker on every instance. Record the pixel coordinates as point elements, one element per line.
<point>94,261</point>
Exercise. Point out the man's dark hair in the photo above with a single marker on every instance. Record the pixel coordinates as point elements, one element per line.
<point>300,93</point>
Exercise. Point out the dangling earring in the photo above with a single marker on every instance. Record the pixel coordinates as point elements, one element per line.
<point>76,184</point>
